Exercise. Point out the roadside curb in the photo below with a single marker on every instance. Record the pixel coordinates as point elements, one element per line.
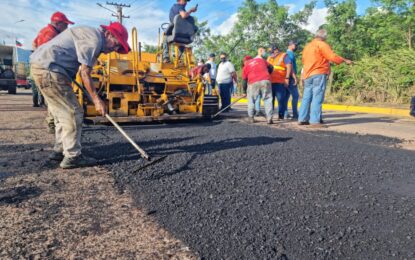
<point>357,109</point>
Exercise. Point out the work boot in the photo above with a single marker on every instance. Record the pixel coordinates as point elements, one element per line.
<point>55,156</point>
<point>304,123</point>
<point>269,121</point>
<point>77,162</point>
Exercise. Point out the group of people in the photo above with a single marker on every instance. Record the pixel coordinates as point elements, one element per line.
<point>60,53</point>
<point>223,75</point>
<point>275,77</point>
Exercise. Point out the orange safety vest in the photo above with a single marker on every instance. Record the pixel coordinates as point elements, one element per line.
<point>280,68</point>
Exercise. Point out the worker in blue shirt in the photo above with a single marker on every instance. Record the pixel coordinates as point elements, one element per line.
<point>292,86</point>
<point>179,8</point>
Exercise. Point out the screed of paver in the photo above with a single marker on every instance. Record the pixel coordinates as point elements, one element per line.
<point>48,213</point>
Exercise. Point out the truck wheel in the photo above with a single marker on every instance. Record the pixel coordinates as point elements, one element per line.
<point>12,90</point>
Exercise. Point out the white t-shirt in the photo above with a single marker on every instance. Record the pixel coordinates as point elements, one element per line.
<point>225,71</point>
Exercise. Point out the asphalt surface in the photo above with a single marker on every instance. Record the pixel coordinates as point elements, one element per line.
<point>231,190</point>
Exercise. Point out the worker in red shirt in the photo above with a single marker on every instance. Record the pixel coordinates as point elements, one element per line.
<point>256,72</point>
<point>58,23</point>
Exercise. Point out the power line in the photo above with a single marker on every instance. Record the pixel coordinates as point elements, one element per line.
<point>119,12</point>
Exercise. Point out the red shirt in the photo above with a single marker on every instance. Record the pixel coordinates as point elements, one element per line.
<point>45,35</point>
<point>256,70</point>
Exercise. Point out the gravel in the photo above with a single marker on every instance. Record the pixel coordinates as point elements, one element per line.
<point>230,190</point>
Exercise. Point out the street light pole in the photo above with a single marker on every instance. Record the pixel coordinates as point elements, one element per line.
<point>14,32</point>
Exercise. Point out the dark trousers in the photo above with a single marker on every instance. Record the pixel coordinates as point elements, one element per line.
<point>225,94</point>
<point>279,91</point>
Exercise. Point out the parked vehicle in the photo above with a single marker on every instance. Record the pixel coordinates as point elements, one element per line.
<point>14,68</point>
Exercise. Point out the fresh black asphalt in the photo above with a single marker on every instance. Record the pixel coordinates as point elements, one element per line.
<point>231,190</point>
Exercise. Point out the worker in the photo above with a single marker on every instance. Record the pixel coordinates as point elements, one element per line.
<point>213,68</point>
<point>280,78</point>
<point>256,74</point>
<point>179,8</point>
<point>55,64</point>
<point>244,86</point>
<point>317,56</point>
<point>58,23</point>
<point>292,89</point>
<point>225,78</point>
<point>412,112</point>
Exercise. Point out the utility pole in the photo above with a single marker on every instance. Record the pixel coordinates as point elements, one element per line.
<point>118,13</point>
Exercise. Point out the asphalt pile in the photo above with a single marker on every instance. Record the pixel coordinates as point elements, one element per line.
<point>231,190</point>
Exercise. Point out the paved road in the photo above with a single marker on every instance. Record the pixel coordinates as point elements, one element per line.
<point>231,190</point>
<point>236,191</point>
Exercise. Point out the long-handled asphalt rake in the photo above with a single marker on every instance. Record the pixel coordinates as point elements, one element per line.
<point>143,153</point>
<point>231,104</point>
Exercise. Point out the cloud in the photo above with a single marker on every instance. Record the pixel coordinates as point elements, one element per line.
<point>226,27</point>
<point>317,18</point>
<point>36,14</point>
<point>291,8</point>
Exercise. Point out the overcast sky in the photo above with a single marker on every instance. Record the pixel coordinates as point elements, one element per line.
<point>146,16</point>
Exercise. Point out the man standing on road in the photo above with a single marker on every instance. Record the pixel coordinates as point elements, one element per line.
<point>256,74</point>
<point>292,85</point>
<point>280,78</point>
<point>317,56</point>
<point>58,23</point>
<point>55,64</point>
<point>225,77</point>
<point>212,71</point>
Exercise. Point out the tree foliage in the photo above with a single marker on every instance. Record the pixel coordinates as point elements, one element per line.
<point>379,41</point>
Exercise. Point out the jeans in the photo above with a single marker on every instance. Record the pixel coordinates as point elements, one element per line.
<point>225,90</point>
<point>279,91</point>
<point>37,97</point>
<point>293,91</point>
<point>313,98</point>
<point>258,104</point>
<point>166,50</point>
<point>256,90</point>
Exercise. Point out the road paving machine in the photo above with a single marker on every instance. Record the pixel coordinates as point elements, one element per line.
<point>140,87</point>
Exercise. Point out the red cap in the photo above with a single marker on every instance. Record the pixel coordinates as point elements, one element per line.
<point>60,17</point>
<point>119,32</point>
<point>247,57</point>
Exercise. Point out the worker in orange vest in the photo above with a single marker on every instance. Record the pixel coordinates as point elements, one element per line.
<point>58,23</point>
<point>317,56</point>
<point>280,78</point>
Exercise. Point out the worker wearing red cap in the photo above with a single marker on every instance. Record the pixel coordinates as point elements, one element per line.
<point>58,23</point>
<point>55,64</point>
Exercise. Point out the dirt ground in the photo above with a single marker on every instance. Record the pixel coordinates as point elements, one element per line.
<point>46,212</point>
<point>49,213</point>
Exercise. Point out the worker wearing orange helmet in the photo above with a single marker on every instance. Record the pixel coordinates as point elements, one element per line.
<point>55,64</point>
<point>58,23</point>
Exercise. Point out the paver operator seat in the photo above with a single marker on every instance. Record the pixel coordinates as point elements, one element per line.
<point>181,31</point>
